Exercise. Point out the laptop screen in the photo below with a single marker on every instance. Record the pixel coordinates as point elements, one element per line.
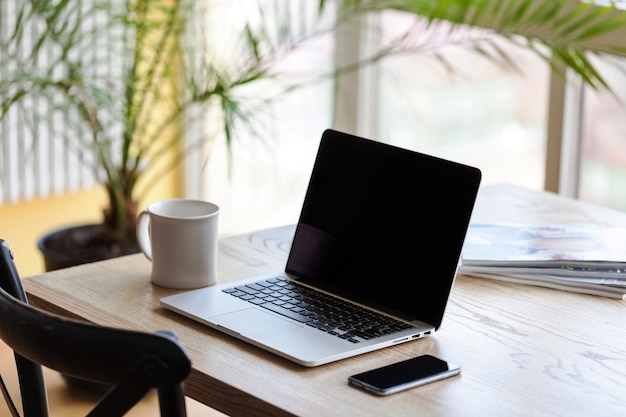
<point>383,225</point>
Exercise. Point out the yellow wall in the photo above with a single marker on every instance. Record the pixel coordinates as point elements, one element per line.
<point>23,223</point>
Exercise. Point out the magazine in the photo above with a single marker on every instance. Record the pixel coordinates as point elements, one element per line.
<point>558,283</point>
<point>581,258</point>
<point>573,247</point>
<point>594,274</point>
<point>545,239</point>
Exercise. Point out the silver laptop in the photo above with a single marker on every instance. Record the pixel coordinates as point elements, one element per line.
<point>372,261</point>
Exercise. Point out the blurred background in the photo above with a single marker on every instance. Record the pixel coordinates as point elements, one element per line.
<point>443,97</point>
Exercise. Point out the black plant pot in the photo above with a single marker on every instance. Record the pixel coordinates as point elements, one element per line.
<point>78,245</point>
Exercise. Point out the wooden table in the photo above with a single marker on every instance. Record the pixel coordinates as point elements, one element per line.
<point>524,350</point>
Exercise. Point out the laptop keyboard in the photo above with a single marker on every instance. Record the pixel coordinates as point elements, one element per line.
<point>316,309</point>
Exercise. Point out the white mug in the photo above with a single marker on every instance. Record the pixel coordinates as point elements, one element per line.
<point>180,237</point>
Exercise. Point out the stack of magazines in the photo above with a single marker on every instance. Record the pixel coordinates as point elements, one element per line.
<point>586,258</point>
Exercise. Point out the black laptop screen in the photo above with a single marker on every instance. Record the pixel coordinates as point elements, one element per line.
<point>383,225</point>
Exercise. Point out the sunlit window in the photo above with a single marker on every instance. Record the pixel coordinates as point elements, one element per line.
<point>602,176</point>
<point>446,100</point>
<point>264,182</point>
<point>452,102</point>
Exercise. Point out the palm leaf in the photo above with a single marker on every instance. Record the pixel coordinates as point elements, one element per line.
<point>563,26</point>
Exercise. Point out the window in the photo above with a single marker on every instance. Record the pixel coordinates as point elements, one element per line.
<point>602,162</point>
<point>264,185</point>
<point>506,123</point>
<point>531,129</point>
<point>476,113</point>
<point>586,137</point>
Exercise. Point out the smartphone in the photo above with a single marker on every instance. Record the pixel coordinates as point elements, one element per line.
<point>404,375</point>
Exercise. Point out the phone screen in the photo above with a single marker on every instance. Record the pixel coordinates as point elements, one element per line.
<point>404,375</point>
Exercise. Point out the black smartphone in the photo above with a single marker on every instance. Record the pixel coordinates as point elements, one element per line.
<point>404,375</point>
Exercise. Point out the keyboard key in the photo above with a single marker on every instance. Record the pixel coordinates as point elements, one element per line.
<point>288,313</point>
<point>247,289</point>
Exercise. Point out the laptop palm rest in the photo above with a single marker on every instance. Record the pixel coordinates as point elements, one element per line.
<point>254,323</point>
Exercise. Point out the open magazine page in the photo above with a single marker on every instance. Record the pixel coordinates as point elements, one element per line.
<point>564,246</point>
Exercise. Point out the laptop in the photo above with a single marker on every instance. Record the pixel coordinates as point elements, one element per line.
<point>379,238</point>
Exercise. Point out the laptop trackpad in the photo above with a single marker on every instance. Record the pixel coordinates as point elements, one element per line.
<point>254,323</point>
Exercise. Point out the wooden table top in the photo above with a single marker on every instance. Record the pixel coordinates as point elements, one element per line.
<point>524,350</point>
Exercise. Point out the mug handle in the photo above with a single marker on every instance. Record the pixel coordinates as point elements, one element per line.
<point>143,234</point>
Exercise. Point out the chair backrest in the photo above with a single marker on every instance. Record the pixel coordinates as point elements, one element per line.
<point>132,363</point>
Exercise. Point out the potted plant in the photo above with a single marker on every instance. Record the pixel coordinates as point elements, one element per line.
<point>133,119</point>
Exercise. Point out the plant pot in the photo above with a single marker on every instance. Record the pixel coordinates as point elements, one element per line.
<point>73,246</point>
<point>78,245</point>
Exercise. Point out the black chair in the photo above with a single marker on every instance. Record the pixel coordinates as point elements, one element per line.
<point>131,363</point>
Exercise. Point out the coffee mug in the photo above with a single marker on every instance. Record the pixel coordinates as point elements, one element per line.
<point>180,237</point>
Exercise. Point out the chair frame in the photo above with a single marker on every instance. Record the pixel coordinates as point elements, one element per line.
<point>132,363</point>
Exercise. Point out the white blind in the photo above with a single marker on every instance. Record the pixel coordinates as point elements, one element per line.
<point>44,143</point>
